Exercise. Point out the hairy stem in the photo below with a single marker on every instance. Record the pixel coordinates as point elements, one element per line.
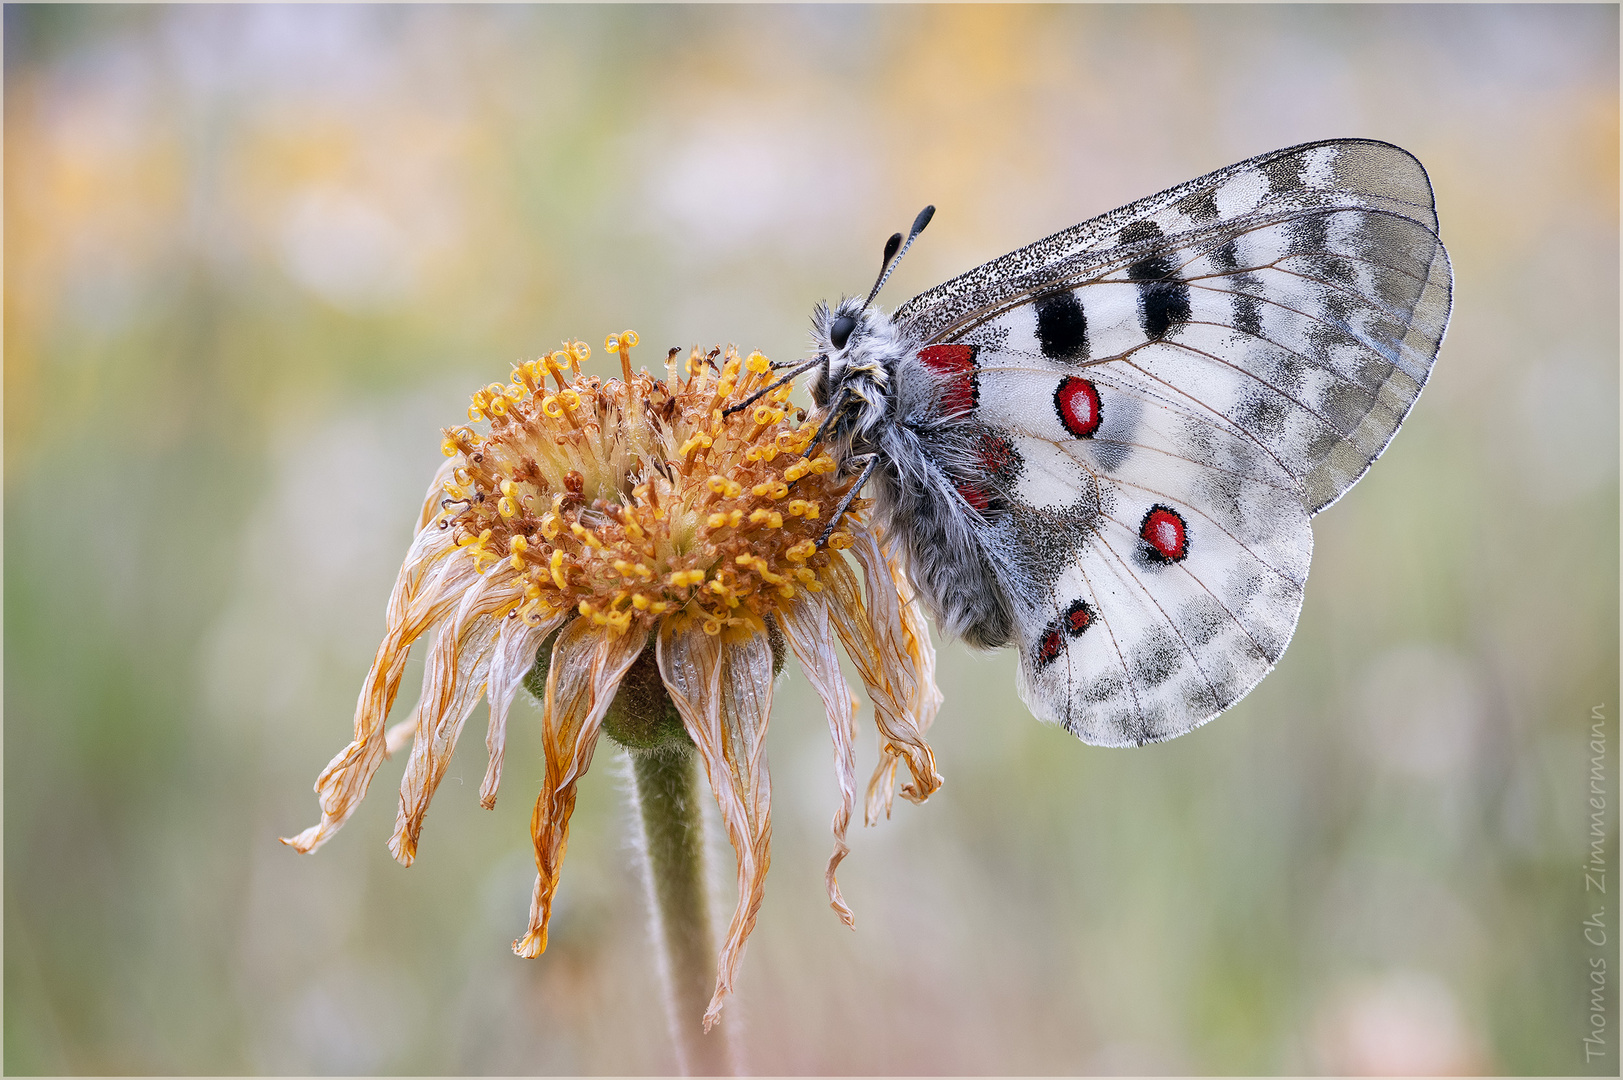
<point>666,782</point>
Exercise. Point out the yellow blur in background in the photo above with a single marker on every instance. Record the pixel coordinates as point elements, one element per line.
<point>255,258</point>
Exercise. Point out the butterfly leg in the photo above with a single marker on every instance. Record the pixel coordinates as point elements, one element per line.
<point>831,419</point>
<point>870,462</point>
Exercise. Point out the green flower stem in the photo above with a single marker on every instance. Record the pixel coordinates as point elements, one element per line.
<point>667,788</point>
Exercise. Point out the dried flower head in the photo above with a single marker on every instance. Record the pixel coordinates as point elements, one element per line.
<point>603,522</point>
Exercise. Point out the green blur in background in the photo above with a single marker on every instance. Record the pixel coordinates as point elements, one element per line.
<point>255,259</point>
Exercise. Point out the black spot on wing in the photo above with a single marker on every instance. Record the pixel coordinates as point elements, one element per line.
<point>1199,207</point>
<point>1284,173</point>
<point>1062,327</point>
<point>1309,235</point>
<point>1162,305</point>
<point>1226,256</point>
<point>1163,298</point>
<point>1140,231</point>
<point>1247,314</point>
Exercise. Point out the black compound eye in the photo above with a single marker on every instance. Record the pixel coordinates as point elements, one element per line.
<point>840,332</point>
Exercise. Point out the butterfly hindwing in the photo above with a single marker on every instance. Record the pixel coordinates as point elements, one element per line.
<point>1186,544</point>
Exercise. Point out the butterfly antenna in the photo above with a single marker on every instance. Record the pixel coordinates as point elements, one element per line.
<point>894,257</point>
<point>765,390</point>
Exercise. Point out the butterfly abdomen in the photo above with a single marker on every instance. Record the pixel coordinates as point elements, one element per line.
<point>922,506</point>
<point>940,493</point>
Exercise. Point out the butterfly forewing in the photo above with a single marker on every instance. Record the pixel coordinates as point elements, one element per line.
<point>1338,173</point>
<point>1169,392</point>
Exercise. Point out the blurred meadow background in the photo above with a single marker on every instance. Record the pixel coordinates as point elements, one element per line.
<point>256,257</point>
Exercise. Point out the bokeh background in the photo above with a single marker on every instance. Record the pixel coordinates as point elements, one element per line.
<point>255,257</point>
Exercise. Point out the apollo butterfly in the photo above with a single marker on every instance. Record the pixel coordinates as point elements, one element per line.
<point>1105,448</point>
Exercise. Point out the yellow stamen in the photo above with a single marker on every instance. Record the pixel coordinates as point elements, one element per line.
<point>760,566</point>
<point>727,489</point>
<point>585,535</point>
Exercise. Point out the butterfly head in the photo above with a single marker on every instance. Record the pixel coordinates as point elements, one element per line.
<point>859,347</point>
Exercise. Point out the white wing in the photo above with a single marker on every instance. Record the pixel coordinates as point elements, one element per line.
<point>1169,412</point>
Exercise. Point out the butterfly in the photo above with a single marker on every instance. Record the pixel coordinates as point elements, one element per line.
<point>1104,448</point>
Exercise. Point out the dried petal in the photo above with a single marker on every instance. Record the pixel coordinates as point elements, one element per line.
<point>588,663</point>
<point>453,682</point>
<point>430,585</point>
<point>724,692</point>
<point>806,625</point>
<point>904,638</point>
<point>889,672</point>
<point>515,655</point>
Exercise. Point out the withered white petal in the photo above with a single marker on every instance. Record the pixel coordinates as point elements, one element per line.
<point>724,693</point>
<point>807,629</point>
<point>587,666</point>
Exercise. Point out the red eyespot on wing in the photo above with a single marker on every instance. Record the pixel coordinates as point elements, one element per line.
<point>996,463</point>
<point>949,359</point>
<point>976,496</point>
<point>957,363</point>
<point>1078,617</point>
<point>1077,402</point>
<point>1049,648</point>
<point>995,454</point>
<point>1165,533</point>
